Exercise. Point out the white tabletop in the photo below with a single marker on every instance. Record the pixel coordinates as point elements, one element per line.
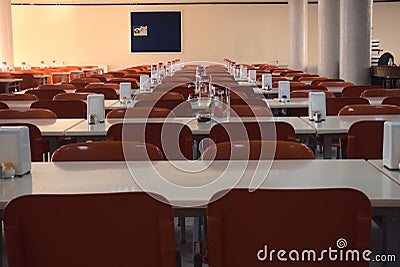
<point>11,80</point>
<point>392,174</point>
<point>98,177</point>
<point>49,127</point>
<point>293,103</point>
<point>100,129</point>
<point>341,124</point>
<point>18,104</point>
<point>375,100</point>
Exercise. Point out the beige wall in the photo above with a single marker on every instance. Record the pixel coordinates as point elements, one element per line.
<point>100,34</point>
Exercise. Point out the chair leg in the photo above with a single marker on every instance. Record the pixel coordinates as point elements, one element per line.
<point>182,222</point>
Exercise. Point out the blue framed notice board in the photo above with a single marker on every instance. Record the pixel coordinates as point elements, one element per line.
<point>156,32</point>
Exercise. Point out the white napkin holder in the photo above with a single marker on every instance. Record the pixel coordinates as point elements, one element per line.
<point>266,81</point>
<point>252,76</point>
<point>125,95</point>
<point>243,72</point>
<point>284,91</point>
<point>391,144</point>
<point>95,108</point>
<point>144,83</point>
<point>316,106</point>
<point>16,148</point>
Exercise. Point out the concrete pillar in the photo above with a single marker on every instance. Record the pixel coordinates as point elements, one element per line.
<point>6,33</point>
<point>298,29</point>
<point>329,37</point>
<point>355,40</point>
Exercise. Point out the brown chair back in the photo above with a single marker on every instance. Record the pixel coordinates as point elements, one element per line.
<point>333,105</point>
<point>64,109</point>
<point>18,97</point>
<point>140,112</point>
<point>45,94</point>
<point>366,109</point>
<point>33,113</point>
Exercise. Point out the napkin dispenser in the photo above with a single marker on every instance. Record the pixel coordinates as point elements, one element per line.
<point>144,83</point>
<point>252,76</point>
<point>16,148</point>
<point>125,96</point>
<point>391,144</point>
<point>95,108</point>
<point>316,106</point>
<point>284,91</point>
<point>266,81</point>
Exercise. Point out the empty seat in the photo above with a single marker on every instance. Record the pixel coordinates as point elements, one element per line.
<point>45,94</point>
<point>33,113</point>
<point>140,112</point>
<point>64,109</point>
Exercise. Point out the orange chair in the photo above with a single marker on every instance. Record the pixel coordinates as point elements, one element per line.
<point>256,150</point>
<point>38,145</point>
<point>109,93</point>
<point>391,101</point>
<point>249,111</point>
<point>356,90</point>
<point>64,109</point>
<point>45,94</point>
<point>140,112</point>
<point>159,96</point>
<point>333,105</point>
<point>3,105</point>
<point>107,151</point>
<point>365,140</point>
<point>71,96</point>
<point>32,113</point>
<point>18,97</point>
<point>64,86</point>
<point>108,229</point>
<point>245,227</point>
<point>366,109</point>
<point>305,93</point>
<point>181,108</point>
<point>235,131</point>
<point>173,139</point>
<point>380,93</point>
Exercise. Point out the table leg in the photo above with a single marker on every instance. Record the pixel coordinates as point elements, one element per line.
<point>7,88</point>
<point>327,142</point>
<point>2,238</point>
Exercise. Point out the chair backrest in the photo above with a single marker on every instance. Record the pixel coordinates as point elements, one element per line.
<point>181,108</point>
<point>268,220</point>
<point>365,140</point>
<point>333,105</point>
<point>385,58</point>
<point>118,74</point>
<point>380,92</point>
<point>33,113</point>
<point>366,109</point>
<point>328,84</point>
<point>235,131</point>
<point>45,94</point>
<point>132,81</point>
<point>252,101</point>
<point>35,138</point>
<point>159,96</point>
<point>317,81</point>
<point>248,90</point>
<point>18,97</point>
<point>114,86</point>
<point>71,96</point>
<point>63,86</point>
<point>305,93</point>
<point>391,101</point>
<point>257,150</point>
<point>356,90</point>
<point>107,151</point>
<point>64,109</point>
<point>109,93</point>
<point>173,139</point>
<point>3,105</point>
<point>249,111</point>
<point>28,80</point>
<point>109,229</point>
<point>140,112</point>
<point>308,87</point>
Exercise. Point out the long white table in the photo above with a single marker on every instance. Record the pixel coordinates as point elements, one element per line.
<point>11,83</point>
<point>338,127</point>
<point>392,174</point>
<point>189,190</point>
<point>108,104</point>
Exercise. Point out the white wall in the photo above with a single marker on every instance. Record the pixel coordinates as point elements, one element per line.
<point>100,34</point>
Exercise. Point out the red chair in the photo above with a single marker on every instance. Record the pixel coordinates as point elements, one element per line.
<point>173,139</point>
<point>45,94</point>
<point>305,93</point>
<point>32,113</point>
<point>71,96</point>
<point>63,86</point>
<point>391,101</point>
<point>18,97</point>
<point>366,109</point>
<point>257,150</point>
<point>107,151</point>
<point>244,227</point>
<point>3,105</point>
<point>380,93</point>
<point>235,131</point>
<point>140,112</point>
<point>249,111</point>
<point>64,109</point>
<point>159,96</point>
<point>333,105</point>
<point>108,229</point>
<point>109,93</point>
<point>28,80</point>
<point>181,108</point>
<point>365,140</point>
<point>356,90</point>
